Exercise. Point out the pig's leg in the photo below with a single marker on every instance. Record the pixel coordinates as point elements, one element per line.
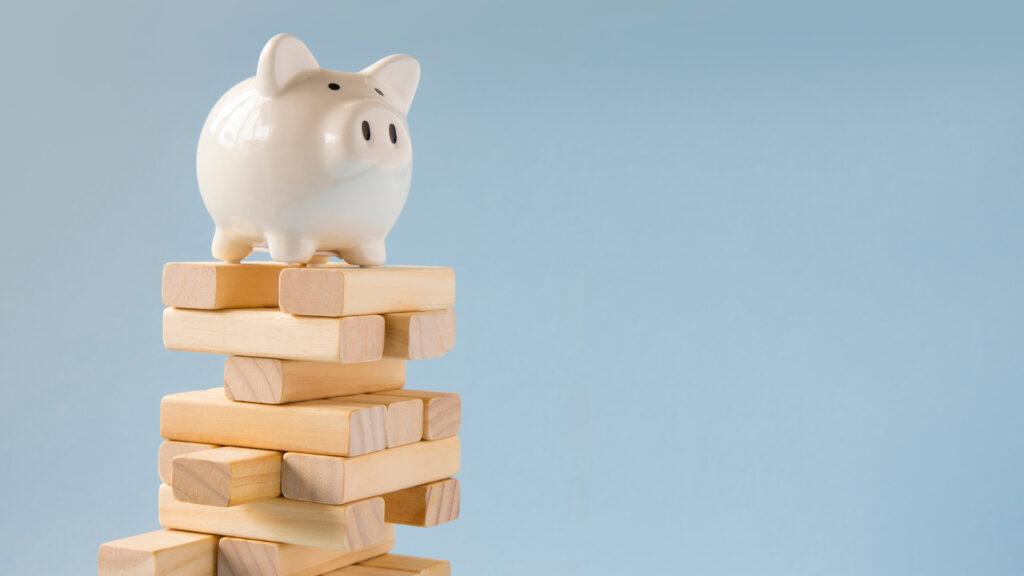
<point>371,254</point>
<point>229,248</point>
<point>318,260</point>
<point>289,247</point>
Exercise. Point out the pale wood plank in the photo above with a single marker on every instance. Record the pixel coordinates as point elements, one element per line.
<point>355,291</point>
<point>347,527</point>
<point>227,476</point>
<point>405,416</point>
<point>274,381</point>
<point>169,449</point>
<point>424,505</point>
<point>245,557</point>
<point>450,335</point>
<point>418,335</point>
<point>333,480</point>
<point>329,426</point>
<point>160,553</point>
<point>360,570</point>
<point>265,332</point>
<point>217,285</point>
<point>397,565</point>
<point>442,411</point>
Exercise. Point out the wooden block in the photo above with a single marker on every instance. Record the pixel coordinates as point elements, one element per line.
<point>227,476</point>
<point>410,565</point>
<point>270,333</point>
<point>418,335</point>
<point>355,291</point>
<point>344,528</point>
<point>396,565</point>
<point>424,505</point>
<point>332,480</point>
<point>169,449</point>
<point>405,416</point>
<point>442,411</point>
<point>217,285</point>
<point>450,336</point>
<point>273,381</point>
<point>328,426</point>
<point>244,557</point>
<point>160,553</point>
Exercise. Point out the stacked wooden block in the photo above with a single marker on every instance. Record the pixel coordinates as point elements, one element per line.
<point>313,449</point>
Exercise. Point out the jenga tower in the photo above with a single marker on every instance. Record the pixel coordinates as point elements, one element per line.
<point>312,450</point>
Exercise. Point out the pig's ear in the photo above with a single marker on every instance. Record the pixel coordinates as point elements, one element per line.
<point>284,57</point>
<point>398,76</point>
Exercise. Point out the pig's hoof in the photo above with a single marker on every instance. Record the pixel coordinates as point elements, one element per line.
<point>289,248</point>
<point>318,260</point>
<point>366,255</point>
<point>229,248</point>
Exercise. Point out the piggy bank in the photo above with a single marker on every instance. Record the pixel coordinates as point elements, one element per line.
<point>305,161</point>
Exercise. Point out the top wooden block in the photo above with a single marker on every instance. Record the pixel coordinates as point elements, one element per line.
<point>351,291</point>
<point>219,285</point>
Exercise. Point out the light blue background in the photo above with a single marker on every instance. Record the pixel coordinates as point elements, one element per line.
<point>739,282</point>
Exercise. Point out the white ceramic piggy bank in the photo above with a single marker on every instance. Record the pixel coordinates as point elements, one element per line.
<point>302,159</point>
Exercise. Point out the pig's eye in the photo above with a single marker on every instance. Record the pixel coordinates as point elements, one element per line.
<point>377,90</point>
<point>334,86</point>
<point>366,130</point>
<point>393,133</point>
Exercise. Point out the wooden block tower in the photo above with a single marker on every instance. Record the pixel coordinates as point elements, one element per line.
<point>313,449</point>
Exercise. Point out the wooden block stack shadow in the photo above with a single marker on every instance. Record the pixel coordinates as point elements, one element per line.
<point>311,452</point>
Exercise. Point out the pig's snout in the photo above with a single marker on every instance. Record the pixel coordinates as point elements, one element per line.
<point>368,135</point>
<point>379,132</point>
<point>368,132</point>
